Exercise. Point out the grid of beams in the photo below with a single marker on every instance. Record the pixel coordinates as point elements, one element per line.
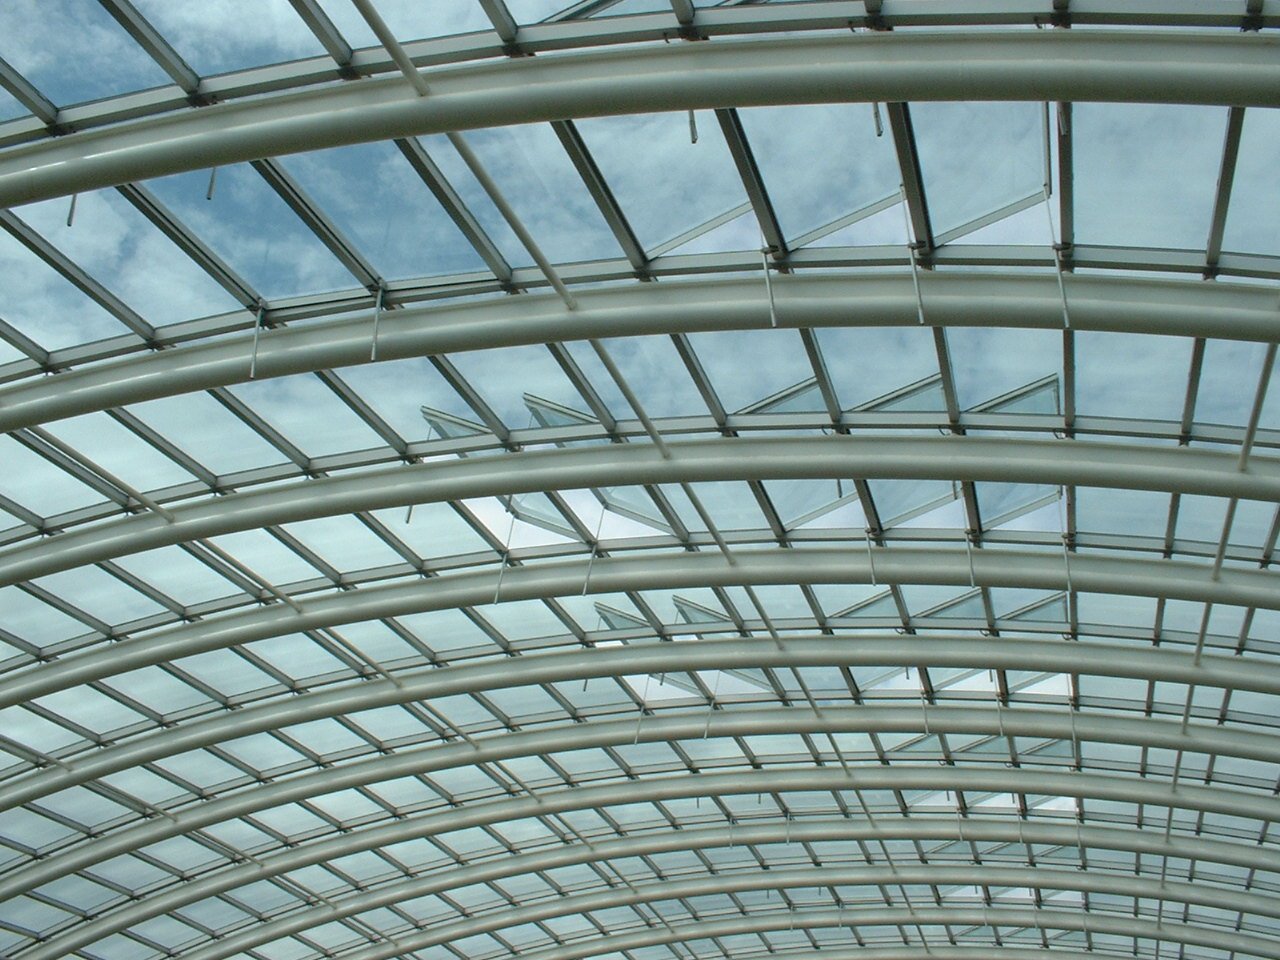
<point>611,604</point>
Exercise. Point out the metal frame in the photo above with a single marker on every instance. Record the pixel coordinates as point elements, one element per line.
<point>1124,789</point>
<point>707,500</point>
<point>693,839</point>
<point>1097,303</point>
<point>1058,65</point>
<point>1181,470</point>
<point>1012,568</point>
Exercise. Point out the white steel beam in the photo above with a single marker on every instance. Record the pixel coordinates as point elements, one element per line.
<point>873,718</point>
<point>1214,938</point>
<point>1183,470</point>
<point>1235,311</point>
<point>1020,721</point>
<point>1232,70</point>
<point>1124,789</point>
<point>723,21</point>
<point>1169,579</point>
<point>1034,831</point>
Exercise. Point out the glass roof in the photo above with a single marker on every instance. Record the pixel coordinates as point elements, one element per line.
<point>639,479</point>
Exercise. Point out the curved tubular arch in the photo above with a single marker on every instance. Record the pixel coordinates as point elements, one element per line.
<point>997,780</point>
<point>730,654</point>
<point>648,844</point>
<point>890,916</point>
<point>1014,568</point>
<point>1050,65</point>
<point>1089,659</point>
<point>1183,470</point>
<point>784,878</point>
<point>1015,722</point>
<point>582,34</point>
<point>1234,311</point>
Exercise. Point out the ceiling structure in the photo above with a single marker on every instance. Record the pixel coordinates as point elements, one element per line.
<point>643,479</point>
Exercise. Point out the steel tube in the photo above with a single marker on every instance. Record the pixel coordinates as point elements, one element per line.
<point>1231,70</point>
<point>1184,470</point>
<point>699,838</point>
<point>993,779</point>
<point>1234,311</point>
<point>883,719</point>
<point>992,567</point>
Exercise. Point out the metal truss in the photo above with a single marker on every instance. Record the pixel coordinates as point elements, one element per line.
<point>799,832</point>
<point>1065,66</point>
<point>781,880</point>
<point>775,666</point>
<point>1014,568</point>
<point>1082,658</point>
<point>969,300</point>
<point>1183,470</point>
<point>1097,786</point>
<point>1024,722</point>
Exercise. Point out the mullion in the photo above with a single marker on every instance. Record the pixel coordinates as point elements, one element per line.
<point>454,206</point>
<point>156,46</point>
<point>164,446</point>
<point>25,345</point>
<point>25,92</point>
<point>605,201</point>
<point>250,418</point>
<point>363,411</point>
<point>76,275</point>
<point>753,183</point>
<point>318,22</point>
<point>318,222</point>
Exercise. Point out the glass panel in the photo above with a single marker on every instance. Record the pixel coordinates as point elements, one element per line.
<point>45,306</point>
<point>503,377</point>
<point>253,230</point>
<point>1124,194</point>
<point>1131,375</point>
<point>1227,372</point>
<point>308,414</point>
<point>977,157</point>
<point>374,196</point>
<point>870,362</point>
<point>721,355</point>
<point>120,451</point>
<point>122,250</point>
<point>700,180</point>
<point>989,363</point>
<point>821,162</point>
<point>207,431</point>
<point>1253,218</point>
<point>540,182</point>
<point>215,39</point>
<point>73,51</point>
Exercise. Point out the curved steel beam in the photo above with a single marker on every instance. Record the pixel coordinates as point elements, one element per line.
<point>993,567</point>
<point>1183,470</point>
<point>701,838</point>
<point>919,952</point>
<point>1217,939</point>
<point>737,20</point>
<point>673,888</point>
<point>661,729</point>
<point>995,780</point>
<point>1089,659</point>
<point>1232,311</point>
<point>1232,70</point>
